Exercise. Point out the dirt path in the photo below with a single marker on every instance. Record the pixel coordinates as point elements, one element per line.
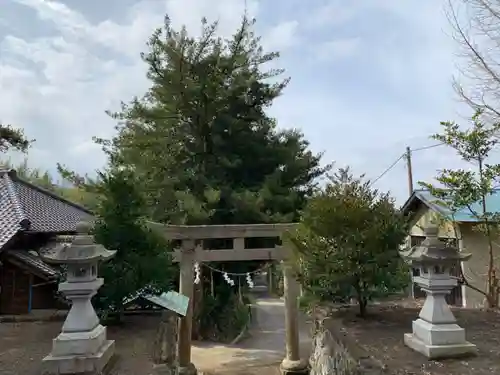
<point>264,349</point>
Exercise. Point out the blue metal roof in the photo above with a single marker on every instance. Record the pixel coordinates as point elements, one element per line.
<point>464,214</point>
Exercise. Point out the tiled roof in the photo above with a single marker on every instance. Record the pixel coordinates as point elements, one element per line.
<point>33,261</point>
<point>24,206</point>
<point>462,215</point>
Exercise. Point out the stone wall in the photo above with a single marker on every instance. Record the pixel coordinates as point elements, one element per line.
<point>334,353</point>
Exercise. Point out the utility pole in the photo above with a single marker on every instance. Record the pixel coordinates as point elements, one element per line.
<point>410,172</point>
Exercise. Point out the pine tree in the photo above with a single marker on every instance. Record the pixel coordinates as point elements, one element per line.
<point>201,144</point>
<point>200,138</point>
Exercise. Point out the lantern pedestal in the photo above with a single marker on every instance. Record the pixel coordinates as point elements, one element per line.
<point>436,333</point>
<point>81,347</point>
<point>79,343</point>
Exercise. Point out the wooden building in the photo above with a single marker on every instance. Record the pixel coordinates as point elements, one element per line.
<point>30,220</point>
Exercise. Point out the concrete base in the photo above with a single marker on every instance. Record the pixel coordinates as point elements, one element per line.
<point>463,349</point>
<point>438,334</point>
<point>79,364</point>
<point>79,343</point>
<point>300,367</point>
<point>188,370</point>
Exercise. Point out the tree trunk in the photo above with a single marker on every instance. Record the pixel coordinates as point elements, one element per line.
<point>165,345</point>
<point>362,306</point>
<point>270,280</point>
<point>212,285</point>
<point>492,298</point>
<point>362,301</point>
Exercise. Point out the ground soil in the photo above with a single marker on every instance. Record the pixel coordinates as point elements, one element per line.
<point>23,345</point>
<point>381,334</point>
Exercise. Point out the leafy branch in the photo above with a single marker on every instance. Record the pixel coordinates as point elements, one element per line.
<point>467,191</point>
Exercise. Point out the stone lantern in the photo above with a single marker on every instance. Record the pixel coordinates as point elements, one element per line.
<point>436,333</point>
<point>82,346</point>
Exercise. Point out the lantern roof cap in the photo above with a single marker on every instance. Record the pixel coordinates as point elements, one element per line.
<point>433,250</point>
<point>82,249</point>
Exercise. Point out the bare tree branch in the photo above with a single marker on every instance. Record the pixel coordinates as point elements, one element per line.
<point>476,28</point>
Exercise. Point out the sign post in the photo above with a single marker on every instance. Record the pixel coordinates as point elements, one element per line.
<point>175,306</point>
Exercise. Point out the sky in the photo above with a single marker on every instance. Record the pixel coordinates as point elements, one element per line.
<point>368,77</point>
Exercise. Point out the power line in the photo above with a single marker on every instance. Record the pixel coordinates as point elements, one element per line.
<point>427,147</point>
<point>401,157</point>
<point>388,169</point>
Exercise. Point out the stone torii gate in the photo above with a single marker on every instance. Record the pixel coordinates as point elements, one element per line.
<point>191,252</point>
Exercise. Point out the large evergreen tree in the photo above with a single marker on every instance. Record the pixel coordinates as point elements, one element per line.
<point>200,141</point>
<point>200,138</point>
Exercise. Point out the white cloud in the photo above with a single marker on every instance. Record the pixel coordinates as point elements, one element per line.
<point>58,84</point>
<point>282,36</point>
<point>339,48</point>
<point>64,18</point>
<point>227,12</point>
<point>333,13</point>
<point>66,82</point>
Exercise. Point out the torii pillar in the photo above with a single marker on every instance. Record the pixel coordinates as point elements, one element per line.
<point>186,287</point>
<point>292,363</point>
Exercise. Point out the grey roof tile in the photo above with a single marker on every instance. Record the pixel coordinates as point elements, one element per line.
<point>24,206</point>
<point>47,213</point>
<point>34,261</point>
